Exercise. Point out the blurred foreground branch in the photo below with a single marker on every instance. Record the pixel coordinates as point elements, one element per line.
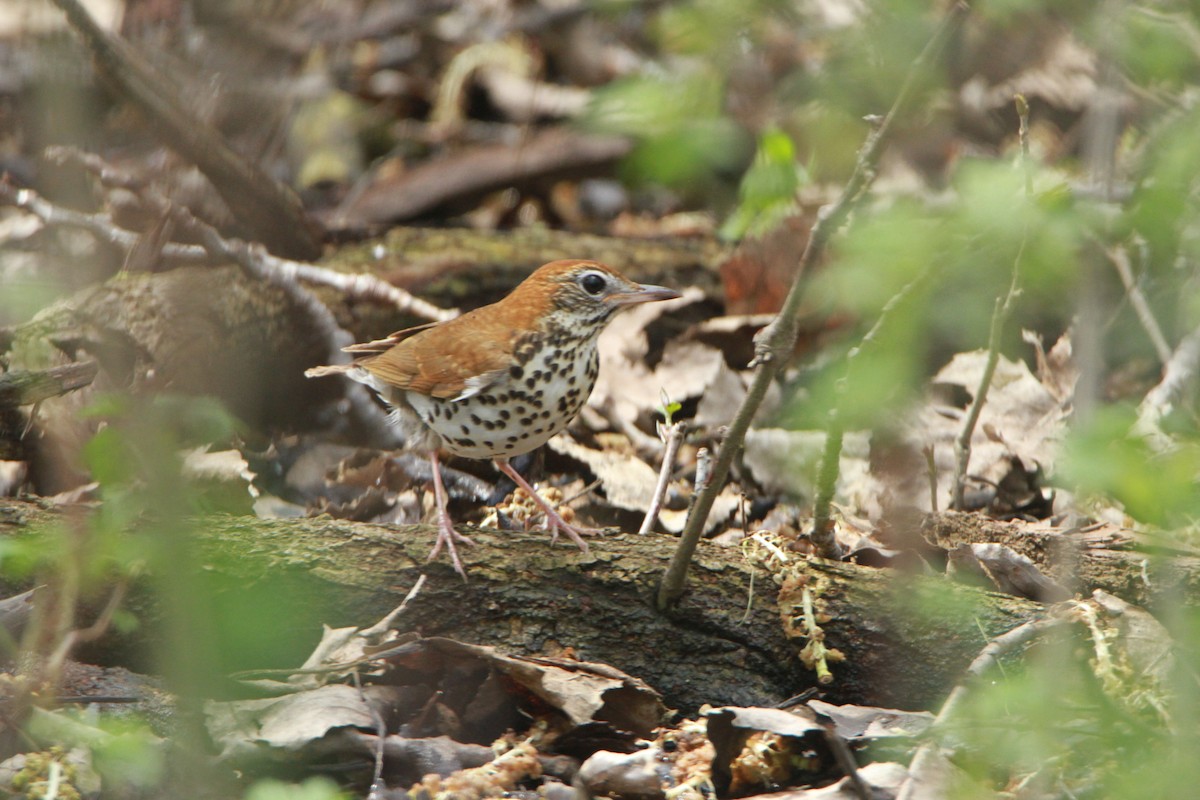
<point>776,341</point>
<point>1002,312</point>
<point>263,205</point>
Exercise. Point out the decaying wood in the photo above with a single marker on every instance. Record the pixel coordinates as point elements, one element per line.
<point>906,639</point>
<point>470,174</point>
<point>451,266</point>
<point>1136,567</point>
<point>23,387</point>
<point>195,331</point>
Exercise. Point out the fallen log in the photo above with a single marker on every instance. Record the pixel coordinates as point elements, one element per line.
<point>270,584</point>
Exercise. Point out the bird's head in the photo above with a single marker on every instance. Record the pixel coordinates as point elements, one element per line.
<point>582,294</point>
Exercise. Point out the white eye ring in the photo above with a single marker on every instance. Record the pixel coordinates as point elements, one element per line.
<point>593,283</point>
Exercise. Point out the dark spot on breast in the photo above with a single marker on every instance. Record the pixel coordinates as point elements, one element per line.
<point>526,421</point>
<point>526,348</point>
<point>516,372</point>
<point>521,409</point>
<point>488,443</point>
<point>491,424</point>
<point>539,430</point>
<point>504,413</point>
<point>545,414</point>
<point>562,404</point>
<point>512,439</point>
<point>466,431</point>
<point>531,381</point>
<point>475,419</point>
<point>571,381</point>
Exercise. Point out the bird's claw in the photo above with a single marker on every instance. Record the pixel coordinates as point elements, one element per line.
<point>448,536</point>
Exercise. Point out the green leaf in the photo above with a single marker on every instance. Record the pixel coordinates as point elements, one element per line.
<point>767,194</point>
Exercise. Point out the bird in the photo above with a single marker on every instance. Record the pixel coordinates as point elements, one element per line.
<point>501,380</point>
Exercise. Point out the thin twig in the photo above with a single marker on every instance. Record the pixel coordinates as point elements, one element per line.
<point>251,259</point>
<point>91,633</point>
<point>845,760</point>
<point>390,619</point>
<point>777,340</point>
<point>360,286</point>
<point>822,534</point>
<point>99,225</point>
<point>1179,376</point>
<point>1137,300</point>
<point>674,434</point>
<point>380,738</point>
<point>924,763</point>
<point>931,474</point>
<point>1000,316</point>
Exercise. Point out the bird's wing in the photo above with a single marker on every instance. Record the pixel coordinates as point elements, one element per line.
<point>390,341</point>
<point>455,359</point>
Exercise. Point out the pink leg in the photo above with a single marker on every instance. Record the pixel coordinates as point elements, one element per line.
<point>446,533</point>
<point>554,521</point>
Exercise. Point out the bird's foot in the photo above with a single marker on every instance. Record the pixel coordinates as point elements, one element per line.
<point>555,524</point>
<point>446,534</point>
<point>450,538</point>
<point>554,520</point>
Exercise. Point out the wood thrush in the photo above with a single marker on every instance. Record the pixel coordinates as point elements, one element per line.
<point>499,381</point>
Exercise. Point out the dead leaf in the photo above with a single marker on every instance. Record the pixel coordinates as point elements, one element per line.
<point>627,481</point>
<point>246,728</point>
<point>855,722</point>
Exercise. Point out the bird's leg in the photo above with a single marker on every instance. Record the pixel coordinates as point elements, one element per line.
<point>554,520</point>
<point>446,533</point>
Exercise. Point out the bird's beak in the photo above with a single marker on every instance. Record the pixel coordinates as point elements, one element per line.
<point>645,294</point>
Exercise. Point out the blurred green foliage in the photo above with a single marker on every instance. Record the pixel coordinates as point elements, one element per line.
<point>767,194</point>
<point>311,789</point>
<point>683,139</point>
<point>1103,457</point>
<point>927,265</point>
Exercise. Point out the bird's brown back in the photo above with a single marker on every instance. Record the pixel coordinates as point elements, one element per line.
<point>443,359</point>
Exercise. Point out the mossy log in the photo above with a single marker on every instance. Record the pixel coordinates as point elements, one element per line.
<point>270,584</point>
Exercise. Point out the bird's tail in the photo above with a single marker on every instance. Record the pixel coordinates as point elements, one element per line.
<point>333,369</point>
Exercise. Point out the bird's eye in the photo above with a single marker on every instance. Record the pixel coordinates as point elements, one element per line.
<point>593,283</point>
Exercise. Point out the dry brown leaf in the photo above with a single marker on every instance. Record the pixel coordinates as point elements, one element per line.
<point>627,481</point>
<point>242,728</point>
<point>1021,420</point>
